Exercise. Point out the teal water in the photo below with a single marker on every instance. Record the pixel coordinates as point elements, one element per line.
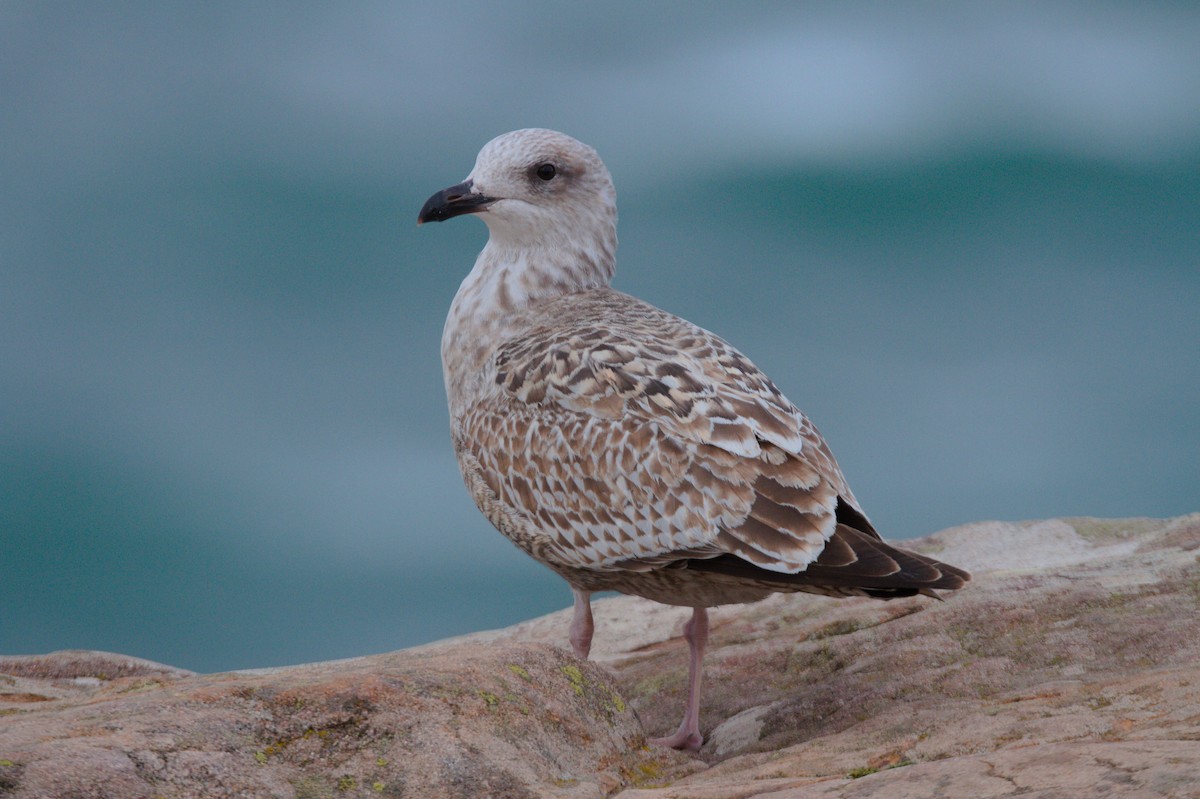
<point>222,429</point>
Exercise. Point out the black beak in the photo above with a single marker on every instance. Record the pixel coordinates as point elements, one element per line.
<point>454,201</point>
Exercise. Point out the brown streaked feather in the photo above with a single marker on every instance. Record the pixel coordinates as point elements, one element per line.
<point>627,440</point>
<point>671,458</point>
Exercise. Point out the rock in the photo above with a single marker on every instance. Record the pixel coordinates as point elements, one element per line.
<point>509,720</point>
<point>1070,666</point>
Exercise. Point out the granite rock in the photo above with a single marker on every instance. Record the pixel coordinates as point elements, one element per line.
<point>510,720</point>
<point>1069,667</point>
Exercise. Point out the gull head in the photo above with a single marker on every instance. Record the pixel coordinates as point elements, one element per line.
<point>536,189</point>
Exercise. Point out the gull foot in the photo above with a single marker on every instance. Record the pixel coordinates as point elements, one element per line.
<point>690,741</point>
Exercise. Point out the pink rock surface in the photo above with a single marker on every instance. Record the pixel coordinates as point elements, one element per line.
<point>1069,667</point>
<point>516,720</point>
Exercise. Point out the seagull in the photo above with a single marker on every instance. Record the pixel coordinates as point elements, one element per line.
<point>624,447</point>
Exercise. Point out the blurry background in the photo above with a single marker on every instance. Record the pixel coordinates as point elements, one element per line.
<point>964,238</point>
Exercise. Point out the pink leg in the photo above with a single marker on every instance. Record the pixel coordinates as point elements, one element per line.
<point>581,624</point>
<point>688,735</point>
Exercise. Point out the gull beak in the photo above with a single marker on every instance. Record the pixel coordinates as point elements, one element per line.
<point>454,201</point>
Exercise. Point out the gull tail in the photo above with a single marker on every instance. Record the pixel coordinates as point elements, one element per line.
<point>854,562</point>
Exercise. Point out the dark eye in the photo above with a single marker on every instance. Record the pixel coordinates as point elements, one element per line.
<point>546,171</point>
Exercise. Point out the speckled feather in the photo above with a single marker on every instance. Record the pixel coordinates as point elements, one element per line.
<point>625,447</point>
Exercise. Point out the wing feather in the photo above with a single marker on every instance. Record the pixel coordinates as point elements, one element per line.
<point>629,436</point>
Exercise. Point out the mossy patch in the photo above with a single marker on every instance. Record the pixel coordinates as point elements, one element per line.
<point>866,771</point>
<point>1107,530</point>
<point>312,788</point>
<point>824,660</point>
<point>616,702</point>
<point>575,676</point>
<point>613,703</point>
<point>326,735</point>
<point>144,684</point>
<point>10,777</point>
<point>520,671</point>
<point>839,627</point>
<point>647,774</point>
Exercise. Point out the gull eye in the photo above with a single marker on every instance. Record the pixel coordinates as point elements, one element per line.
<point>546,171</point>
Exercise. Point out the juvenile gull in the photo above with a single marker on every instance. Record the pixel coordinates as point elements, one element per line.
<point>624,447</point>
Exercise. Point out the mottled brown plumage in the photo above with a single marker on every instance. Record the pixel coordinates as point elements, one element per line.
<point>622,446</point>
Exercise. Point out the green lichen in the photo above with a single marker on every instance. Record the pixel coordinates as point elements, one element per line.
<point>145,684</point>
<point>311,788</point>
<point>381,761</point>
<point>576,678</point>
<point>520,671</point>
<point>489,697</point>
<point>378,787</point>
<point>1104,530</point>
<point>346,783</point>
<point>835,628</point>
<point>868,770</point>
<point>323,734</point>
<point>646,775</point>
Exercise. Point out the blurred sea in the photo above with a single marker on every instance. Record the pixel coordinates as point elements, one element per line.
<point>965,243</point>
